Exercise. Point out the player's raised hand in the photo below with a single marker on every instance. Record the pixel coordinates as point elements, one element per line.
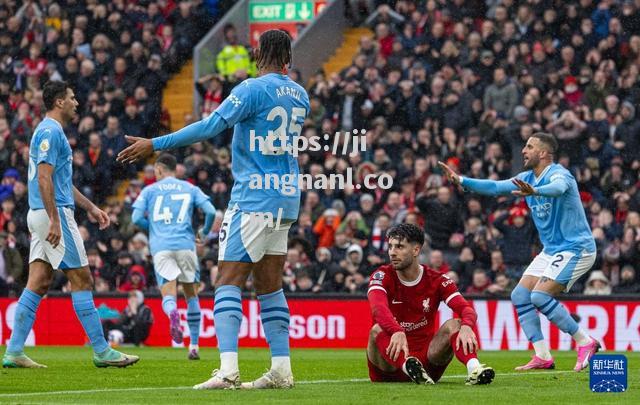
<point>55,233</point>
<point>100,217</point>
<point>139,149</point>
<point>467,339</point>
<point>451,175</point>
<point>398,344</point>
<point>524,189</point>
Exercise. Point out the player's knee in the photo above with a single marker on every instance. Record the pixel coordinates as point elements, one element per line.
<point>539,299</point>
<point>41,287</point>
<point>81,280</point>
<point>520,295</point>
<point>373,333</point>
<point>452,326</point>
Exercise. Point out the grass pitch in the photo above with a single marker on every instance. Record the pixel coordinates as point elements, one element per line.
<point>165,376</point>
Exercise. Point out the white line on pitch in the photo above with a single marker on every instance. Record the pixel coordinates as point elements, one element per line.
<point>347,380</point>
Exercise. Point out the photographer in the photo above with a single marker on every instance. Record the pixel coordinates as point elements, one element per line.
<point>135,321</point>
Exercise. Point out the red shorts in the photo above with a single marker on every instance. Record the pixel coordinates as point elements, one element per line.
<point>435,372</point>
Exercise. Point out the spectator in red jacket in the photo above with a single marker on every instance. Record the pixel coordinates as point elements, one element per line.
<point>136,279</point>
<point>326,227</point>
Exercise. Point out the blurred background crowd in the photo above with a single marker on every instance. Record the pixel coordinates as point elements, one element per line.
<point>460,81</point>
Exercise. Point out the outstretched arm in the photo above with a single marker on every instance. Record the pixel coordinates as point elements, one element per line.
<point>486,187</point>
<point>141,148</point>
<point>556,188</point>
<point>194,133</point>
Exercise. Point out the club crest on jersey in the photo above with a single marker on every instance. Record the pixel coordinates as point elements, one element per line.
<point>379,275</point>
<point>425,305</point>
<point>44,145</point>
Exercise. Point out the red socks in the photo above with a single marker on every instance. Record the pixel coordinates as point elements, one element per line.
<point>463,358</point>
<point>382,342</point>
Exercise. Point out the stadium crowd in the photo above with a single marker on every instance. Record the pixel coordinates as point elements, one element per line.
<point>461,81</point>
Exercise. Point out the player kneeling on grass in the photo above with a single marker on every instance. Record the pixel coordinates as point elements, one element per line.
<point>169,204</point>
<point>404,297</point>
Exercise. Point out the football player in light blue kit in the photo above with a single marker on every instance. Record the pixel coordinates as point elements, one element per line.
<point>55,239</point>
<point>260,109</point>
<point>168,205</point>
<point>569,251</point>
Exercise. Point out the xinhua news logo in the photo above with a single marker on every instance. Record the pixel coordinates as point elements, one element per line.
<point>608,373</point>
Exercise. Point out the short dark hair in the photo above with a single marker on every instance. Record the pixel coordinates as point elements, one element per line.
<point>547,139</point>
<point>167,160</point>
<point>275,49</point>
<point>410,232</point>
<point>52,91</point>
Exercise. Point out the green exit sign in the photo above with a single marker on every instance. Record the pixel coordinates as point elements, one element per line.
<point>284,11</point>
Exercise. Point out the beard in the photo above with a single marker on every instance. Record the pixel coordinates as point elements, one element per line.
<point>403,265</point>
<point>530,163</point>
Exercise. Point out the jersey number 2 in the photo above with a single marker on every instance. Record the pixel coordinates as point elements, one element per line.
<point>161,213</point>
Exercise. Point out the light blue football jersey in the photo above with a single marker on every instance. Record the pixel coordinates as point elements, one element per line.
<point>272,102</point>
<point>561,221</point>
<point>169,204</point>
<point>50,145</point>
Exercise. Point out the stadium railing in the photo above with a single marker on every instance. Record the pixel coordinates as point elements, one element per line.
<point>320,39</point>
<point>311,49</point>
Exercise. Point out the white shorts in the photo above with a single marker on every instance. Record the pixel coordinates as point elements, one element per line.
<point>247,237</point>
<point>176,264</point>
<point>564,267</point>
<point>69,254</point>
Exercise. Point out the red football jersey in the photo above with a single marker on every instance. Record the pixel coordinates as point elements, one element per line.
<point>414,305</point>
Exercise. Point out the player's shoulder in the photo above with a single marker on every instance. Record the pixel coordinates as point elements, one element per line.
<point>558,171</point>
<point>525,175</point>
<point>383,272</point>
<point>557,168</point>
<point>432,275</point>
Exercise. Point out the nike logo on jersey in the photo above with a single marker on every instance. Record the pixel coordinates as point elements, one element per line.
<point>396,302</point>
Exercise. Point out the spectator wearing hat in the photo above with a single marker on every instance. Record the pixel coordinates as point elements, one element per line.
<point>326,226</point>
<point>139,248</point>
<point>356,270</point>
<point>130,121</point>
<point>572,93</point>
<point>597,284</point>
<point>136,279</point>
<point>9,178</point>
